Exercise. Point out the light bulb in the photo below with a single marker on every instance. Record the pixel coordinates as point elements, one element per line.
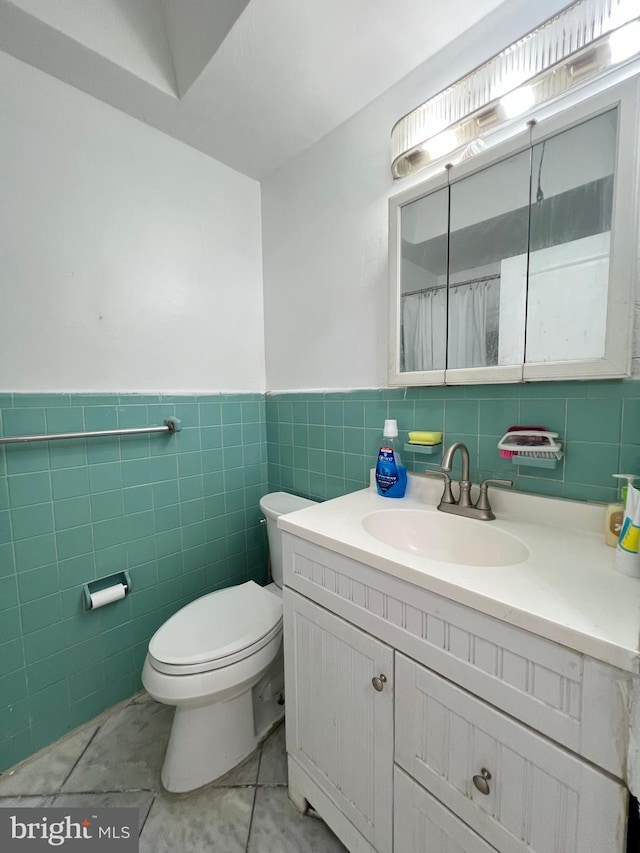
<point>625,42</point>
<point>441,144</point>
<point>518,101</point>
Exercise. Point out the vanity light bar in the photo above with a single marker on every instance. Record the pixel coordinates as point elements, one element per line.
<point>587,39</point>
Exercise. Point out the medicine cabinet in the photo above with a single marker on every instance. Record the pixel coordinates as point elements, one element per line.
<point>519,264</point>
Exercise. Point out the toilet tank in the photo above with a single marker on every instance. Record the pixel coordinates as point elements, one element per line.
<point>274,505</point>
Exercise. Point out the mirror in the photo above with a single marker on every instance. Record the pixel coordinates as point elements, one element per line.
<point>489,224</point>
<point>519,265</point>
<point>571,209</point>
<point>424,282</point>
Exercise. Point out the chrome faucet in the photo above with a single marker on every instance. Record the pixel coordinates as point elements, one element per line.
<point>464,505</point>
<point>464,498</point>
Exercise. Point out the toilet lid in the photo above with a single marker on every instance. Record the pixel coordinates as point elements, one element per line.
<point>217,625</point>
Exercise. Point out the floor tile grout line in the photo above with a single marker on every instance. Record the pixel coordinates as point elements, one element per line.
<point>253,808</point>
<point>153,791</point>
<point>84,792</point>
<point>59,791</point>
<point>98,721</point>
<point>253,804</point>
<point>144,822</point>
<point>76,762</point>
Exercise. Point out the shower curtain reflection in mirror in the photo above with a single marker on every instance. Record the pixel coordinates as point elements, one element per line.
<point>472,337</point>
<point>424,329</point>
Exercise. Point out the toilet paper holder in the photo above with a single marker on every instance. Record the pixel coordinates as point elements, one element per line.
<point>105,590</point>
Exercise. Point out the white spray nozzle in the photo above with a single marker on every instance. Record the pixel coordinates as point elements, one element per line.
<point>629,478</point>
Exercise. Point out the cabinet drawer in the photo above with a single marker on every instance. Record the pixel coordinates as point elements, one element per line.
<point>540,798</point>
<point>555,690</point>
<point>423,825</point>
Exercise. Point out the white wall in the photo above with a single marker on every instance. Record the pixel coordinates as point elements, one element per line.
<point>325,225</point>
<point>128,261</point>
<point>131,33</point>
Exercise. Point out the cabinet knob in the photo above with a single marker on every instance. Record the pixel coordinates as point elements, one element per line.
<point>482,781</point>
<point>378,682</point>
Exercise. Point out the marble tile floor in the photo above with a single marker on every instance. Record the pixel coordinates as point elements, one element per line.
<point>116,760</point>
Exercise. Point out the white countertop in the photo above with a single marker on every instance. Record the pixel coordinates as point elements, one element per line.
<point>567,590</point>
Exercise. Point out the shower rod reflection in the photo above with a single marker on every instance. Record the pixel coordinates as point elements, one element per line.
<point>171,425</point>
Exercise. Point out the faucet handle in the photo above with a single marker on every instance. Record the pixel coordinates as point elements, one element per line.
<point>447,495</point>
<point>489,481</point>
<point>483,497</point>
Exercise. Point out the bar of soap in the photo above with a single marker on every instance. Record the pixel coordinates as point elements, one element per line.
<point>425,437</point>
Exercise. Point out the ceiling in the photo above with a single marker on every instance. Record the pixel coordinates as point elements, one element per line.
<point>251,83</point>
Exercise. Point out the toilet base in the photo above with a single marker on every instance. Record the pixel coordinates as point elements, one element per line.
<point>268,698</point>
<point>208,741</point>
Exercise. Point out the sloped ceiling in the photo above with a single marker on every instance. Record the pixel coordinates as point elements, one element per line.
<point>251,83</point>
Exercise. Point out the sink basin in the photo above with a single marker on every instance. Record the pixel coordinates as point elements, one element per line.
<point>447,538</point>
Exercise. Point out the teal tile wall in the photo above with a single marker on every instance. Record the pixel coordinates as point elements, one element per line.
<point>323,445</point>
<point>179,512</point>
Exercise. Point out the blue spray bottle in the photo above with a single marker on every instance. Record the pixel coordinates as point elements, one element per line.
<point>391,475</point>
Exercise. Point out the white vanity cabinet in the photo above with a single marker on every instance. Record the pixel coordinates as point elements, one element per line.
<point>415,723</point>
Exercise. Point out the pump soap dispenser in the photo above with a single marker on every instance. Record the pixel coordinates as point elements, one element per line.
<point>615,512</point>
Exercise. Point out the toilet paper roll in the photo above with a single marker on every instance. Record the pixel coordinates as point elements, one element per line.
<point>106,596</point>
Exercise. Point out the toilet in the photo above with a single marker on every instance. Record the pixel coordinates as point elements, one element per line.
<point>219,661</point>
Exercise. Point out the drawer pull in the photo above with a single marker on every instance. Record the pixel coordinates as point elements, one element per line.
<point>379,682</point>
<point>482,781</point>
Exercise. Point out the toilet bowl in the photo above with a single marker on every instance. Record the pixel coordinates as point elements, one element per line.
<point>219,661</point>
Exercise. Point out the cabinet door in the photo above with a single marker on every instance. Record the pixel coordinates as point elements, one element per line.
<point>422,309</point>
<point>489,223</point>
<point>339,727</point>
<point>570,301</point>
<point>512,786</point>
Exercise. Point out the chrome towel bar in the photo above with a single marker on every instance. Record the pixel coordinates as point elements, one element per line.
<point>170,425</point>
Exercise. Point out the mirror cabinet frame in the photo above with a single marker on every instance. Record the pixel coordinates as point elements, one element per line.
<point>623,257</point>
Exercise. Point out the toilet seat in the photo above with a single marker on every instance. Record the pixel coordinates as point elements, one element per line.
<point>217,630</point>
